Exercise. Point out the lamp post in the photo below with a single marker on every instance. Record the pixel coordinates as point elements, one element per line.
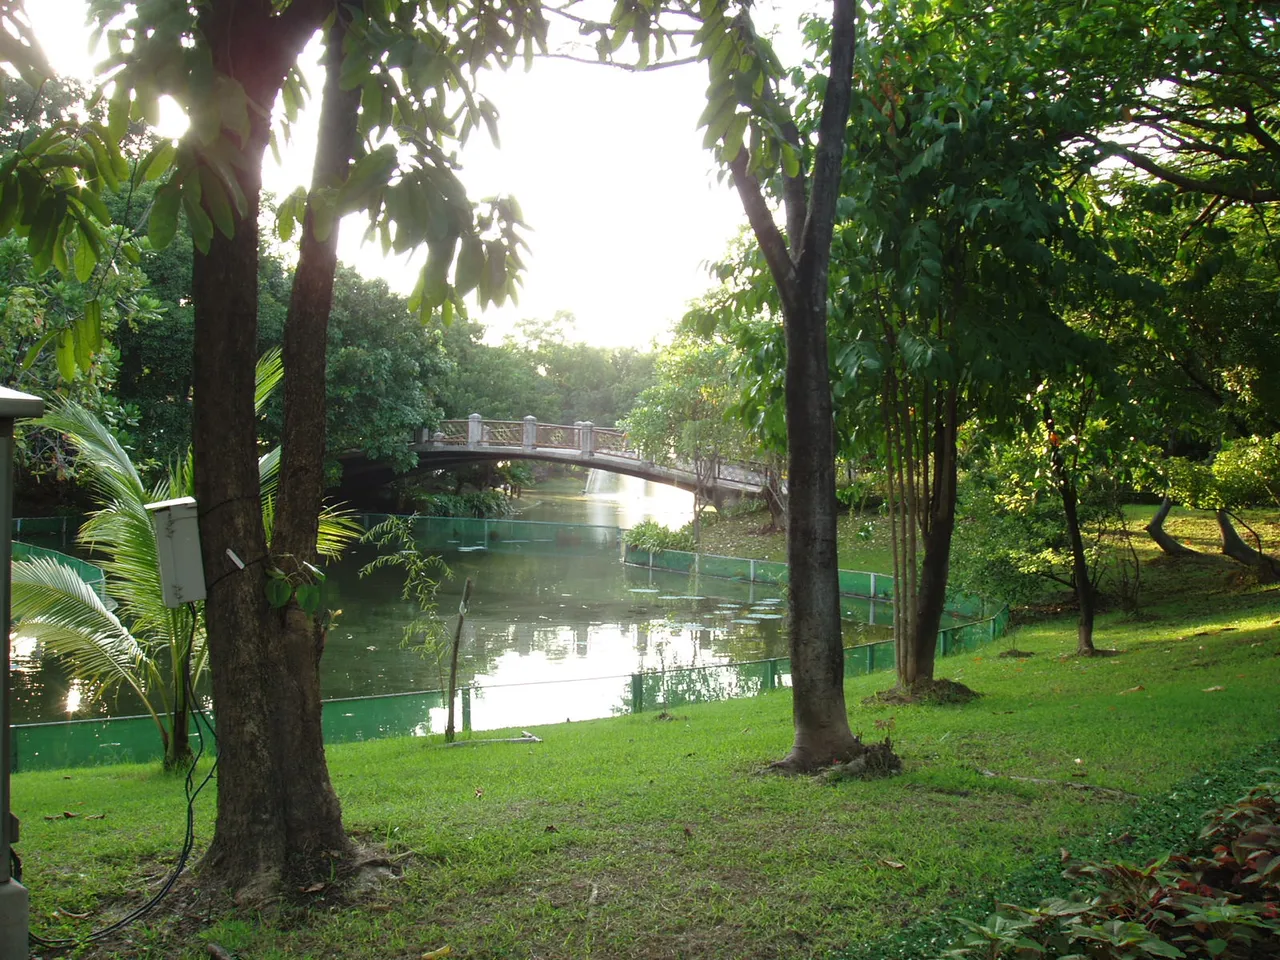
<point>13,895</point>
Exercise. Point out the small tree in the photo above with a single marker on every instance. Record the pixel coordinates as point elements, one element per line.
<point>684,417</point>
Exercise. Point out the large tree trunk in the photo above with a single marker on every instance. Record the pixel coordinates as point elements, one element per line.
<point>816,645</point>
<point>1165,542</point>
<point>1268,568</point>
<point>822,733</point>
<point>278,816</point>
<point>921,648</point>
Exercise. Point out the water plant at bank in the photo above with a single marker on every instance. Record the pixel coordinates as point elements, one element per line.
<point>651,535</point>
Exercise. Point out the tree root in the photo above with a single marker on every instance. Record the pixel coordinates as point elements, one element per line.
<point>877,761</point>
<point>861,761</point>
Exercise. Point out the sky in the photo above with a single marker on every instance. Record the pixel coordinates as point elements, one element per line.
<point>623,202</point>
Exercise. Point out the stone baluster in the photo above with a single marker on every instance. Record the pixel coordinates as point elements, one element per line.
<point>530,433</point>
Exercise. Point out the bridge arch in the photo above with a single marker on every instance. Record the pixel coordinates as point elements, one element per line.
<point>476,439</point>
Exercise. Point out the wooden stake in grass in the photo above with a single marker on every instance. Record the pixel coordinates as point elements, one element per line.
<point>453,657</point>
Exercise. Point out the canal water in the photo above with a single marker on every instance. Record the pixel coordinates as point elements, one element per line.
<point>556,625</point>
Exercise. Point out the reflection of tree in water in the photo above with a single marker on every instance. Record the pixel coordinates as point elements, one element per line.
<point>674,688</point>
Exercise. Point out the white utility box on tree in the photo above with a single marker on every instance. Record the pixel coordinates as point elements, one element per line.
<point>178,545</point>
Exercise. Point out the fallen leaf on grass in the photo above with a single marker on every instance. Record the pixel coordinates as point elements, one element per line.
<point>96,816</point>
<point>219,953</point>
<point>1064,854</point>
<point>444,951</point>
<point>1136,689</point>
<point>74,916</point>
<point>313,888</point>
<point>893,864</point>
<point>479,792</point>
<point>1217,689</point>
<point>551,828</point>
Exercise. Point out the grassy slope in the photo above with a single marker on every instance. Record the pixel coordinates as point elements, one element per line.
<point>768,867</point>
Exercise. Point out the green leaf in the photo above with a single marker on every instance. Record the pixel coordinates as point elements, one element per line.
<point>308,596</point>
<point>65,354</point>
<point>86,258</point>
<point>790,160</point>
<point>216,202</point>
<point>199,222</point>
<point>162,223</point>
<point>91,324</point>
<point>470,265</point>
<point>278,590</point>
<point>83,351</point>
<point>157,163</point>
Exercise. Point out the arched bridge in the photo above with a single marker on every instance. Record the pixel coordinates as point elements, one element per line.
<point>601,448</point>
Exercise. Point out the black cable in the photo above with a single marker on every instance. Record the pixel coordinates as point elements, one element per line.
<point>188,841</point>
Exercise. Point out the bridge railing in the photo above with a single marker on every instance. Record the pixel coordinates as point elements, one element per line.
<point>583,437</point>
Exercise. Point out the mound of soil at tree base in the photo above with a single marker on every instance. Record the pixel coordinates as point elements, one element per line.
<point>1013,653</point>
<point>925,692</point>
<point>877,760</point>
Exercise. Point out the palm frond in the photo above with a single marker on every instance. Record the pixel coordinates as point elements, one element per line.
<point>99,456</point>
<point>267,376</point>
<point>339,528</point>
<point>55,606</point>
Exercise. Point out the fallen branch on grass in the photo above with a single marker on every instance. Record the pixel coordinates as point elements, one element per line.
<point>525,737</point>
<point>1109,791</point>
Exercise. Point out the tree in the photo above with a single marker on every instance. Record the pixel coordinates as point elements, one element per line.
<point>392,70</point>
<point>685,416</point>
<point>745,105</point>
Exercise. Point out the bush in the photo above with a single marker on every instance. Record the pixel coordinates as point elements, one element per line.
<point>651,535</point>
<point>483,504</point>
<point>1220,900</point>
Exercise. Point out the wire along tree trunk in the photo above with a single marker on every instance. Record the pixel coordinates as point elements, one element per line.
<point>278,816</point>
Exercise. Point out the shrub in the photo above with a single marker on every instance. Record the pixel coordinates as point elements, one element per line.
<point>1221,900</point>
<point>651,535</point>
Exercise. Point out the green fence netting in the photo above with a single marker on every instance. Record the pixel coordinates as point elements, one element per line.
<point>135,739</point>
<point>475,533</point>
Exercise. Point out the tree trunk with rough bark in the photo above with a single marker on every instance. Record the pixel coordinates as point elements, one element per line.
<point>822,733</point>
<point>921,645</point>
<point>278,817</point>
<point>1165,542</point>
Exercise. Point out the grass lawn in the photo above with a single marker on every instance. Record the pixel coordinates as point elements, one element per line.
<point>641,837</point>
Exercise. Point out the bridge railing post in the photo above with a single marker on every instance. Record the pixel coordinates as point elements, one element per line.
<point>587,434</point>
<point>475,430</point>
<point>530,433</point>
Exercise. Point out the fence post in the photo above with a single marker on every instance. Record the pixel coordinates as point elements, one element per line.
<point>871,657</point>
<point>873,584</point>
<point>773,675</point>
<point>475,427</point>
<point>530,432</point>
<point>752,575</point>
<point>637,692</point>
<point>466,709</point>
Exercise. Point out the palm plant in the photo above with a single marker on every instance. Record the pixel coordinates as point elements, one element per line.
<point>156,651</point>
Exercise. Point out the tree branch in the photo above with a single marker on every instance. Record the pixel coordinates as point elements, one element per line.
<point>772,243</point>
<point>828,163</point>
<point>629,67</point>
<point>1190,184</point>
